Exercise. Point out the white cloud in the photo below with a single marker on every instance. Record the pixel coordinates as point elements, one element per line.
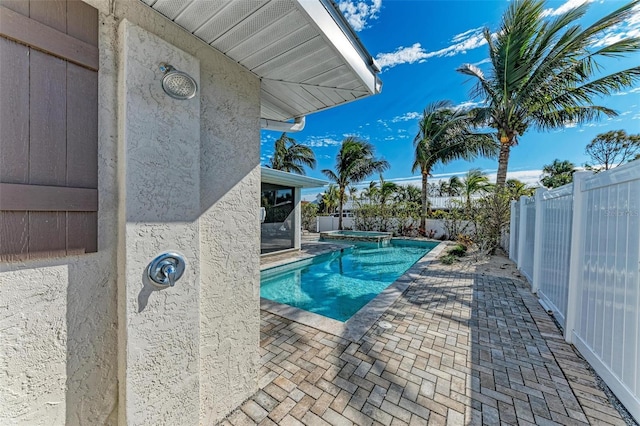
<point>468,105</point>
<point>402,55</point>
<point>461,43</point>
<point>634,90</point>
<point>406,117</point>
<point>484,61</point>
<point>627,29</point>
<point>529,177</point>
<point>359,12</point>
<point>321,141</point>
<point>564,8</point>
<point>383,124</point>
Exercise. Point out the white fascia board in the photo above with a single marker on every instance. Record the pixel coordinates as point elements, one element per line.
<point>278,177</point>
<point>324,21</point>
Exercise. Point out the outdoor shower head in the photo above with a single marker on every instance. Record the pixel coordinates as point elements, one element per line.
<point>177,84</point>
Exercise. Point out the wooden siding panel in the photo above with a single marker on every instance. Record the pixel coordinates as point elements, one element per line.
<point>82,22</point>
<point>82,232</point>
<point>47,234</point>
<point>14,113</point>
<point>17,197</point>
<point>18,6</point>
<point>32,33</point>
<point>48,129</point>
<point>14,236</point>
<point>52,13</point>
<point>82,127</point>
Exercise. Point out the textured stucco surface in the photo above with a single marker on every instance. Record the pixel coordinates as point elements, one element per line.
<point>84,339</point>
<point>58,319</point>
<point>161,202</point>
<point>229,239</point>
<point>225,227</point>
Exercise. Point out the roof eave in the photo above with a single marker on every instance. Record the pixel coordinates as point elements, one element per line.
<point>337,31</point>
<point>278,177</point>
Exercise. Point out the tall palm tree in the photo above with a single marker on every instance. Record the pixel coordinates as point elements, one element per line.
<point>518,188</point>
<point>290,156</point>
<point>353,192</point>
<point>330,198</point>
<point>372,192</point>
<point>454,186</point>
<point>557,173</point>
<point>444,134</point>
<point>442,188</point>
<point>387,189</point>
<point>408,193</point>
<point>474,181</point>
<point>354,162</point>
<point>545,72</point>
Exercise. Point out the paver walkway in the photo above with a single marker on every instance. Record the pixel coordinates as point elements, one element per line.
<point>464,348</point>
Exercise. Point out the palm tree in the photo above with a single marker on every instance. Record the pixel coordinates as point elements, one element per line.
<point>330,198</point>
<point>558,173</point>
<point>372,192</point>
<point>444,135</point>
<point>290,156</point>
<point>353,192</point>
<point>475,181</point>
<point>442,188</point>
<point>454,186</point>
<point>409,193</point>
<point>543,72</point>
<point>354,162</point>
<point>518,188</point>
<point>386,190</point>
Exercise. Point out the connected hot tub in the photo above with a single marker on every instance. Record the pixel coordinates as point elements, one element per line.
<point>380,238</point>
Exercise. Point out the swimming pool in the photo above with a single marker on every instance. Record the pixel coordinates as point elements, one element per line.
<point>336,285</point>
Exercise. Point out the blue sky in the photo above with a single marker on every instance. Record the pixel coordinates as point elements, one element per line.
<point>419,44</point>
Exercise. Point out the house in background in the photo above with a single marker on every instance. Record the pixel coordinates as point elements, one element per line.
<point>131,130</point>
<point>281,199</point>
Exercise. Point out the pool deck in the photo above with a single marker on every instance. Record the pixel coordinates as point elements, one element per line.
<point>465,347</point>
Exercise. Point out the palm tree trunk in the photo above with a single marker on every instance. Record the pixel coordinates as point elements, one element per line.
<point>341,201</point>
<point>503,162</point>
<point>423,216</point>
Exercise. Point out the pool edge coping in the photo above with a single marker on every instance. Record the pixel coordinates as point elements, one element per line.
<point>358,325</point>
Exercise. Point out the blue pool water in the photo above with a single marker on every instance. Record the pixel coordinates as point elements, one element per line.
<point>338,284</point>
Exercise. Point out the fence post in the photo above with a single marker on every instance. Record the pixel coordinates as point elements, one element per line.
<point>522,230</point>
<point>512,230</point>
<point>537,245</point>
<point>576,255</point>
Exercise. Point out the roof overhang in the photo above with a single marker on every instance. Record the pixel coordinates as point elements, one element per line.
<point>278,177</point>
<point>305,53</point>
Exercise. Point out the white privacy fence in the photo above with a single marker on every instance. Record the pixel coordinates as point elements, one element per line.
<point>579,245</point>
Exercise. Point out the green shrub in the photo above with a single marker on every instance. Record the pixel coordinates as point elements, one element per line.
<point>448,259</point>
<point>458,250</point>
<point>438,214</point>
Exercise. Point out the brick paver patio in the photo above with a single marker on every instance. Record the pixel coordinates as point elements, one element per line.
<point>464,348</point>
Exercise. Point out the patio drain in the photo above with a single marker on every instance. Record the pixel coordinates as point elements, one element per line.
<point>384,324</point>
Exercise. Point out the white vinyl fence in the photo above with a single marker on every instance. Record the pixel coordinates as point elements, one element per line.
<point>330,223</point>
<point>584,253</point>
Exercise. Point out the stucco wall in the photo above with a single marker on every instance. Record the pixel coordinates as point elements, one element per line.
<point>226,226</point>
<point>58,317</point>
<point>64,320</point>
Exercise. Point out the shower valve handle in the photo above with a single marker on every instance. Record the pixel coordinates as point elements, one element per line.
<point>166,269</point>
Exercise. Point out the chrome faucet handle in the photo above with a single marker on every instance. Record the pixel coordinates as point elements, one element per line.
<point>169,271</point>
<point>166,269</point>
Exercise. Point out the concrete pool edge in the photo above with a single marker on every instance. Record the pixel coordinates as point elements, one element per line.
<point>367,316</point>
